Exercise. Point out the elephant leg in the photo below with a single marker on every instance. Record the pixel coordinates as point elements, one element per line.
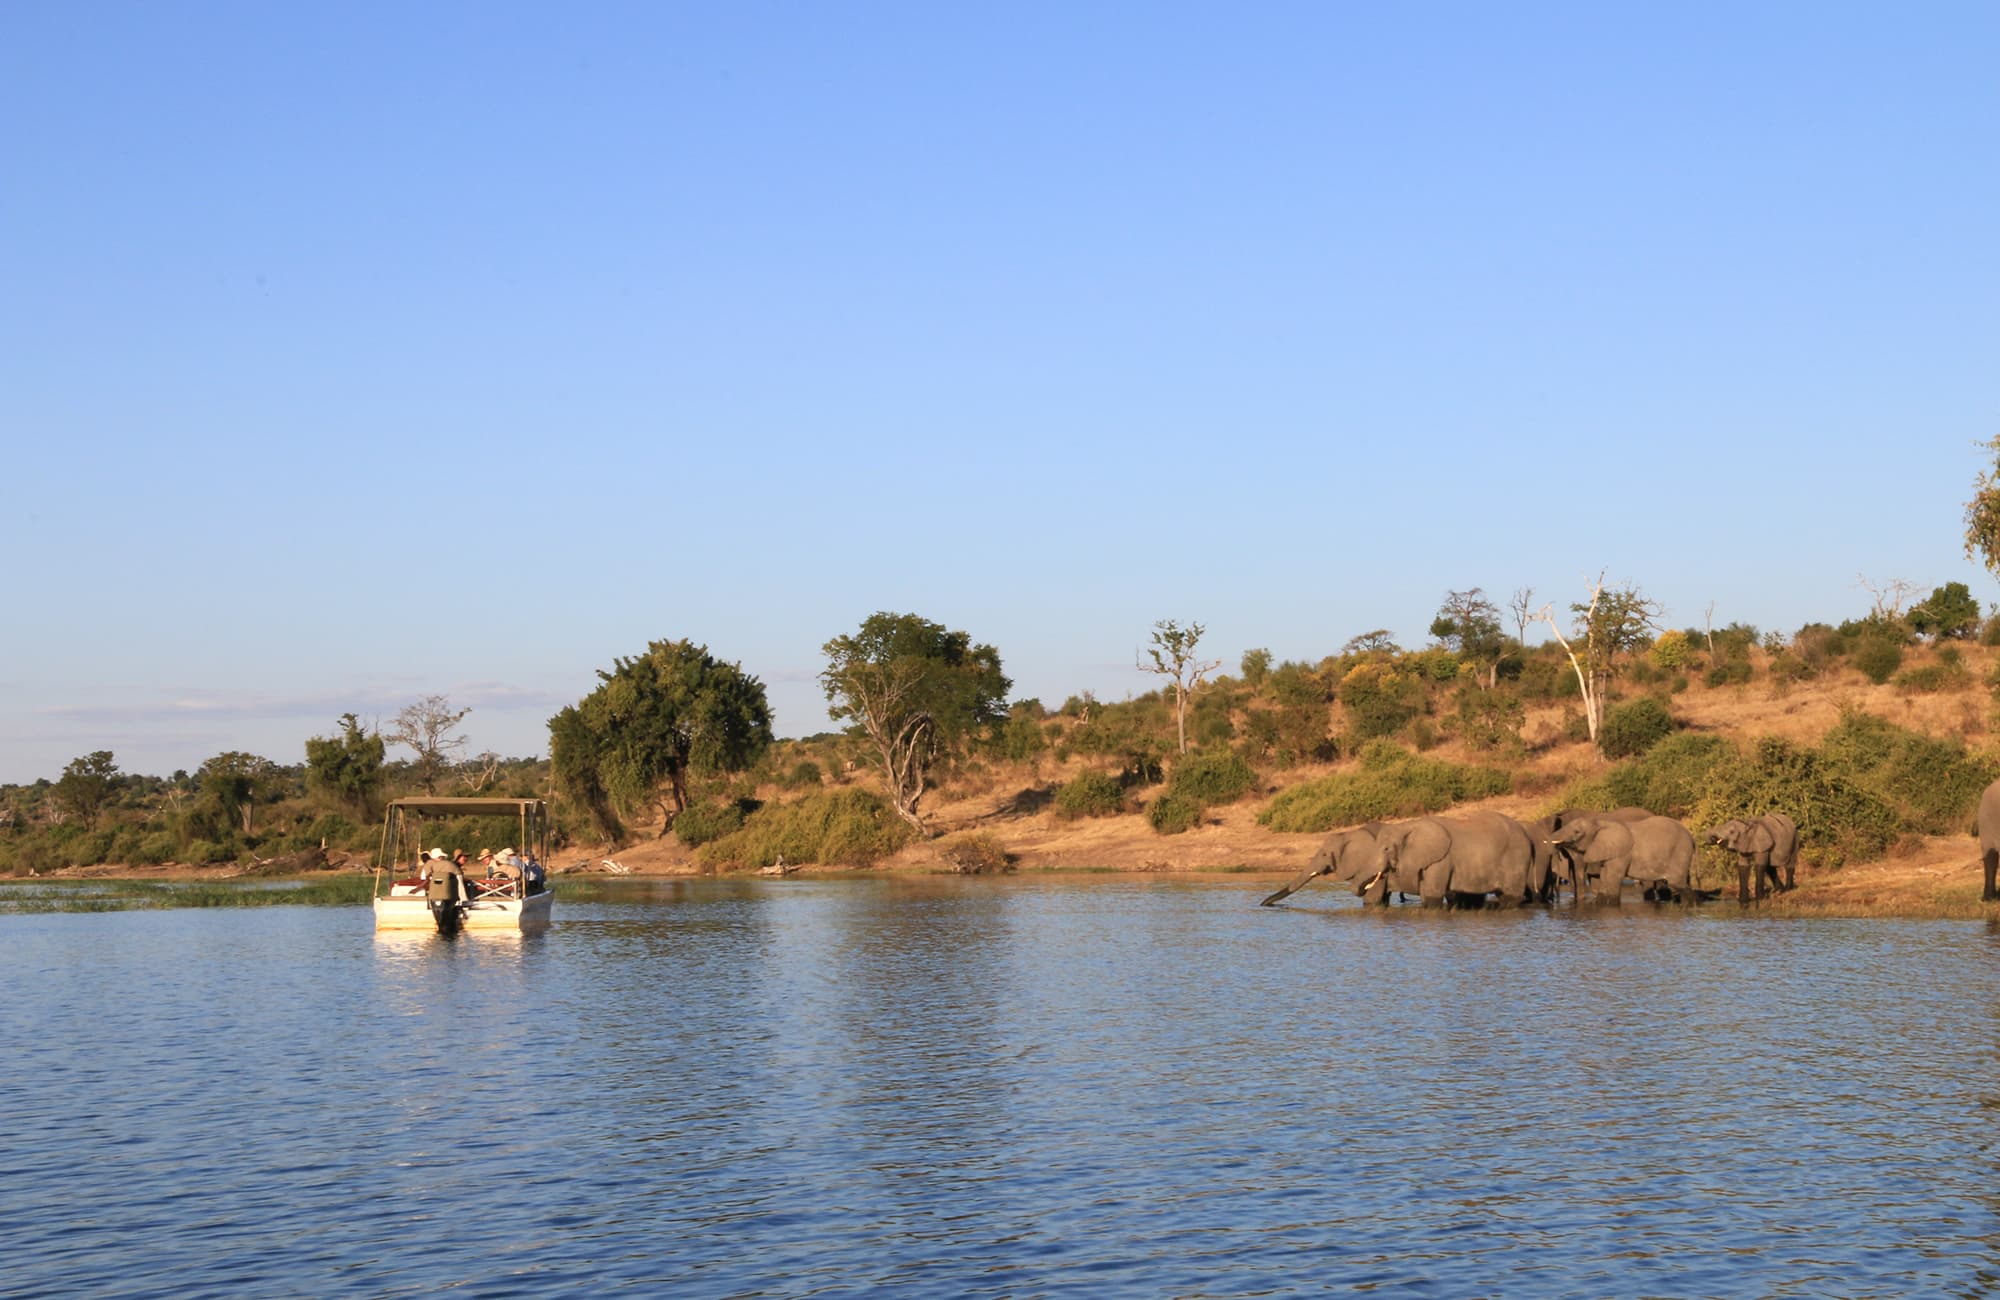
<point>1743,882</point>
<point>1376,894</point>
<point>1990,860</point>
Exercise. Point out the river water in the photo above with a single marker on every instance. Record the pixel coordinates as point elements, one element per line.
<point>1043,1086</point>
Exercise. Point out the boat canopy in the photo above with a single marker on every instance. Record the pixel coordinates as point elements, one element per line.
<point>473,807</point>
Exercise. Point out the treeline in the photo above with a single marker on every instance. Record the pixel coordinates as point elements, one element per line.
<point>679,740</point>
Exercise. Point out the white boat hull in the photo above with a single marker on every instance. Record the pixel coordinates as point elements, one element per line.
<point>410,910</point>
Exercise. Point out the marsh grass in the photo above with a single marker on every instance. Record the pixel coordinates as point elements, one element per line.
<point>152,895</point>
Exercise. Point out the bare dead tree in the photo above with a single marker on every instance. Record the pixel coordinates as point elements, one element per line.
<point>425,727</point>
<point>1889,597</point>
<point>1523,608</point>
<point>1613,621</point>
<point>1708,626</point>
<point>478,772</point>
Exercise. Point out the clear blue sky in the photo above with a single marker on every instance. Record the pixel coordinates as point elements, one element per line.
<point>350,353</point>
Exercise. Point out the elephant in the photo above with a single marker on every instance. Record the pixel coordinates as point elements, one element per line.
<point>1989,839</point>
<point>1767,845</point>
<point>1468,854</point>
<point>1565,864</point>
<point>1658,851</point>
<point>1348,856</point>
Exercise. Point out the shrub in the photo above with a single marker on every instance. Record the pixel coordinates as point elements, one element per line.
<point>975,854</point>
<point>1634,727</point>
<point>1787,667</point>
<point>804,775</point>
<point>1212,777</point>
<point>701,823</point>
<point>1389,782</point>
<point>1671,651</point>
<point>1878,658</point>
<point>834,826</point>
<point>1925,680</point>
<point>1173,813</point>
<point>1379,700</point>
<point>1487,720</point>
<point>1727,672</point>
<point>1818,645</point>
<point>1090,794</point>
<point>203,852</point>
<point>155,848</point>
<point>1989,634</point>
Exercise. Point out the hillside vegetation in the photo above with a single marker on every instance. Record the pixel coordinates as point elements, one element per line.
<point>1875,734</point>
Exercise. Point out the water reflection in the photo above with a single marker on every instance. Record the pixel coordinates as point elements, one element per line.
<point>1097,1086</point>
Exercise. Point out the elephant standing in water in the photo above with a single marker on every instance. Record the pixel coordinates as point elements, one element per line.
<point>1349,857</point>
<point>1767,845</point>
<point>1658,852</point>
<point>1470,854</point>
<point>1568,864</point>
<point>1989,839</point>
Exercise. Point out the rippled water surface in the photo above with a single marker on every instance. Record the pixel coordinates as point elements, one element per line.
<point>1080,1086</point>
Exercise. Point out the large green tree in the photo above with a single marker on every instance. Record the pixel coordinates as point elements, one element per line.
<point>916,690</point>
<point>346,770</point>
<point>1469,625</point>
<point>231,783</point>
<point>87,784</point>
<point>654,720</point>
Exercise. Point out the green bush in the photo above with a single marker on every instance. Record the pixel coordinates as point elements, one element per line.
<point>1089,794</point>
<point>1173,813</point>
<point>703,823</point>
<point>1634,727</point>
<point>1727,672</point>
<point>1212,777</point>
<point>1928,679</point>
<point>804,775</point>
<point>835,826</point>
<point>202,852</point>
<point>1989,633</point>
<point>976,854</point>
<point>1671,651</point>
<point>1878,658</point>
<point>1949,611</point>
<point>1379,700</point>
<point>1389,782</point>
<point>156,848</point>
<point>1487,720</point>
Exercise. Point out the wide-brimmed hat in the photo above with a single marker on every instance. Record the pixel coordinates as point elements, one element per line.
<point>504,853</point>
<point>435,853</point>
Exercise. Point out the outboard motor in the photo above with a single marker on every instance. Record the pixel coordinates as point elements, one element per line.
<point>448,896</point>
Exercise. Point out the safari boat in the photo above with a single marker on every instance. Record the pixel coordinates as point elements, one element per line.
<point>428,889</point>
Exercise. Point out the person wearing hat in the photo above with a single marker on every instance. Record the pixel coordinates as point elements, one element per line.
<point>447,882</point>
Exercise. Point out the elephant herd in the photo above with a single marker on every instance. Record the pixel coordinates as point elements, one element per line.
<point>1477,858</point>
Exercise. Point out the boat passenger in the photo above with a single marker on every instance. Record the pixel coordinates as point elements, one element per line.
<point>444,879</point>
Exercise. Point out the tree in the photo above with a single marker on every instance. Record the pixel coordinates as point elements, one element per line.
<point>86,785</point>
<point>654,720</point>
<point>1256,666</point>
<point>1172,655</point>
<point>230,783</point>
<point>1614,622</point>
<point>1982,513</point>
<point>1522,606</point>
<point>1949,611</point>
<point>916,691</point>
<point>346,770</point>
<point>423,727</point>
<point>1469,624</point>
<point>1377,642</point>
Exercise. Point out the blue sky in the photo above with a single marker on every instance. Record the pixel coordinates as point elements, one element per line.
<point>355,353</point>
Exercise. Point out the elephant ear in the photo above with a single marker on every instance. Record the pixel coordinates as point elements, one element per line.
<point>1759,839</point>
